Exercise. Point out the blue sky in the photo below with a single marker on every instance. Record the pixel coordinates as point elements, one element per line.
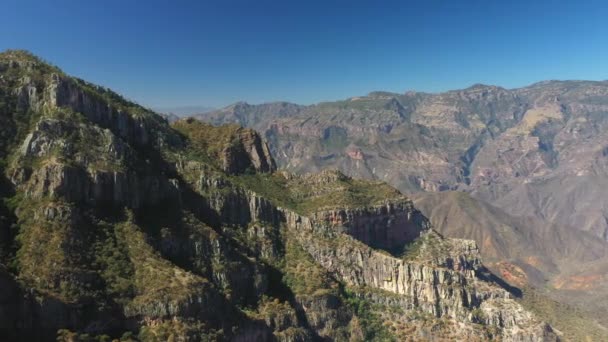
<point>213,53</point>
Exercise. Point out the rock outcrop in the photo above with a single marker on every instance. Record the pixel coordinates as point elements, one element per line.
<point>445,287</point>
<point>250,152</point>
<point>388,227</point>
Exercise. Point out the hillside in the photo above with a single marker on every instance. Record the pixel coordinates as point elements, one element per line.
<point>115,224</point>
<point>525,240</point>
<point>520,171</point>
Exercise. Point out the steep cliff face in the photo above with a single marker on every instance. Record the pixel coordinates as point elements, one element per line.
<point>238,150</point>
<point>389,227</point>
<point>84,164</point>
<point>114,222</point>
<point>439,278</point>
<point>250,151</point>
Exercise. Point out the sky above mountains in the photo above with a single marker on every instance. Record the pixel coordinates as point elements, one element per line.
<point>213,53</point>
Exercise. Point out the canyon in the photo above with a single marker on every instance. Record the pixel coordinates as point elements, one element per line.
<point>520,171</point>
<point>115,224</point>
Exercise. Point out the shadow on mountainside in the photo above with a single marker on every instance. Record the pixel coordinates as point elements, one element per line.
<point>8,221</point>
<point>170,214</point>
<point>485,274</point>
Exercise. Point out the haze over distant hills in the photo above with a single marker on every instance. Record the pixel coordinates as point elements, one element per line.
<point>495,143</point>
<point>182,111</point>
<point>521,171</point>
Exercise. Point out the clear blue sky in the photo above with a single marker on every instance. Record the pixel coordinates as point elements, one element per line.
<point>172,53</point>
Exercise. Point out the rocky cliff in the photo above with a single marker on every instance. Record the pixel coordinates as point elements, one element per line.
<point>114,224</point>
<point>520,171</point>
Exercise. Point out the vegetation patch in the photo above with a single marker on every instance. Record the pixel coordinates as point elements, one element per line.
<point>313,193</point>
<point>370,322</point>
<point>205,141</point>
<point>303,275</point>
<point>156,279</point>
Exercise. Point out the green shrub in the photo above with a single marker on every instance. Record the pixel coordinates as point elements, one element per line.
<point>369,321</point>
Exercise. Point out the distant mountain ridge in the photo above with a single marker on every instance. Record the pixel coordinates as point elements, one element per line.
<point>533,161</point>
<point>449,141</point>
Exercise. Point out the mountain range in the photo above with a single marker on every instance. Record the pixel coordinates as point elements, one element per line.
<point>115,224</point>
<point>520,171</point>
